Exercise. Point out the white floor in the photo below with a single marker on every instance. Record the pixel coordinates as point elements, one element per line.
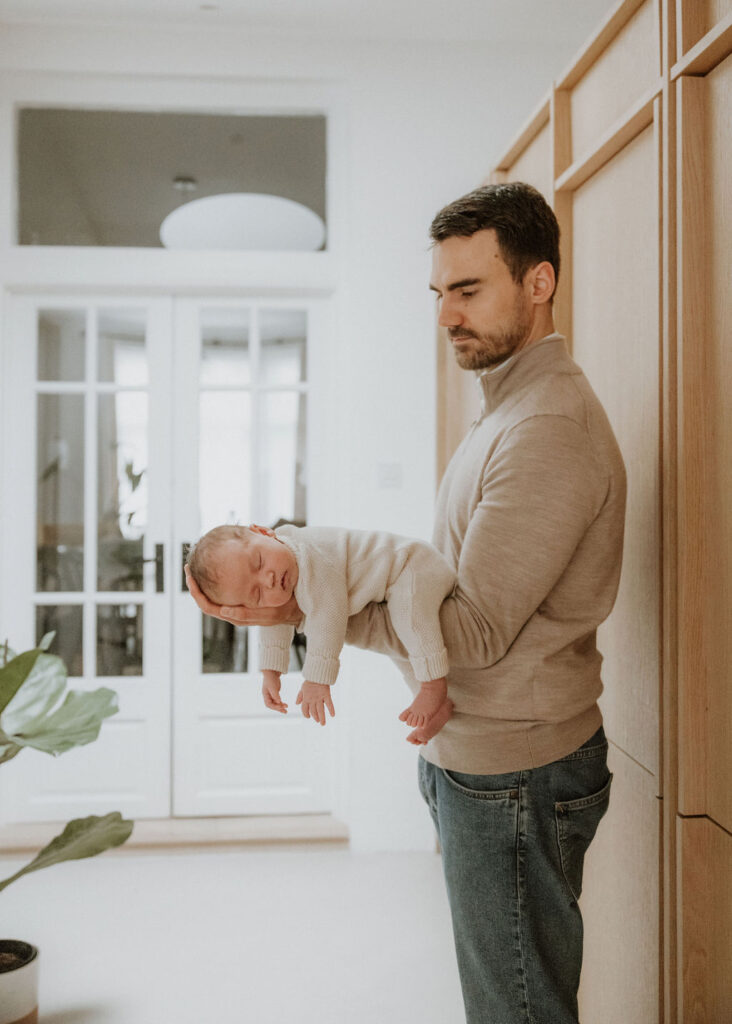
<point>258,935</point>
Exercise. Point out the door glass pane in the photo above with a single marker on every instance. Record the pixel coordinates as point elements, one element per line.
<point>282,478</point>
<point>224,459</point>
<point>61,344</point>
<point>225,647</point>
<point>122,489</point>
<point>283,335</point>
<point>66,620</point>
<point>60,501</point>
<point>121,357</point>
<point>119,640</point>
<point>225,347</point>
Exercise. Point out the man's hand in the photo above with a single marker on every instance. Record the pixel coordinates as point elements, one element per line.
<point>315,698</point>
<point>271,682</point>
<point>240,615</point>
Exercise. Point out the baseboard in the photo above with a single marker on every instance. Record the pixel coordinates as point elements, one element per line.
<point>167,833</point>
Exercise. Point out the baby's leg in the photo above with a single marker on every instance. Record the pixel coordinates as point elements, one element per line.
<point>429,700</point>
<point>426,732</point>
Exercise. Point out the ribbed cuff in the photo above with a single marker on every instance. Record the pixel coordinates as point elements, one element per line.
<point>320,670</point>
<point>276,659</point>
<point>434,666</point>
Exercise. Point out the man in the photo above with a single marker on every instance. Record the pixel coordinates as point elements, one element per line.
<point>530,513</point>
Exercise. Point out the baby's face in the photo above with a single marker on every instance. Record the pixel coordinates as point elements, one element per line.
<point>260,572</point>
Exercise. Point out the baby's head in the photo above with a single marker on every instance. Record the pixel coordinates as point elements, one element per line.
<point>243,565</point>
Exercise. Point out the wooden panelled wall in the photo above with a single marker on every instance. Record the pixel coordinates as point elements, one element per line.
<point>633,147</point>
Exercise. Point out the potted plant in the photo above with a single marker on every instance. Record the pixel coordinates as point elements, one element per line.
<point>35,712</point>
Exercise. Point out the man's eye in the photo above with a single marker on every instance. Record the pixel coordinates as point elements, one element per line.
<point>467,294</point>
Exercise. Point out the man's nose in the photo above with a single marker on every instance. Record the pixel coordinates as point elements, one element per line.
<point>449,316</point>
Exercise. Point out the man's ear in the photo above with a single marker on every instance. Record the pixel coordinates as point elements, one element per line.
<point>543,282</point>
<point>262,529</point>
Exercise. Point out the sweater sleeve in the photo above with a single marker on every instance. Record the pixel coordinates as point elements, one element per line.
<point>274,647</point>
<point>326,634</point>
<point>540,491</point>
<point>326,621</point>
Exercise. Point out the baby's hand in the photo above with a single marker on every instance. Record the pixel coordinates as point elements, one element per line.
<point>315,698</point>
<point>271,691</point>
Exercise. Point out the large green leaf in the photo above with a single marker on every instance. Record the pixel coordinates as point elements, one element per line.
<point>83,837</point>
<point>36,696</point>
<point>8,750</point>
<point>14,673</point>
<point>74,724</point>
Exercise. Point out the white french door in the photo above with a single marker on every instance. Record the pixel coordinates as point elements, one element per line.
<point>135,424</point>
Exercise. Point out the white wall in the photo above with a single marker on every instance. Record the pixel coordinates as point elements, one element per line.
<point>422,125</point>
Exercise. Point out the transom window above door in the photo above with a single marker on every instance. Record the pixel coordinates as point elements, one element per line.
<point>113,177</point>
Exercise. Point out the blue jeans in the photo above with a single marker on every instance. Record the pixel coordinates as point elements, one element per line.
<point>513,849</point>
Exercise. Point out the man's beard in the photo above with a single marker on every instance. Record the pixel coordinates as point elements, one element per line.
<point>493,347</point>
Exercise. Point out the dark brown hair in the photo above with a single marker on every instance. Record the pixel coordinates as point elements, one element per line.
<point>525,225</point>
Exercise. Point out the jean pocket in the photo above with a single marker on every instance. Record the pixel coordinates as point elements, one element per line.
<point>483,787</point>
<point>577,822</point>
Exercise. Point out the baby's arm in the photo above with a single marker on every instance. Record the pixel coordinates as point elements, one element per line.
<point>274,659</point>
<point>271,691</point>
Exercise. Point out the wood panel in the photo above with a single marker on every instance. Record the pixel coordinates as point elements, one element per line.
<point>695,18</point>
<point>718,195</point>
<point>693,448</point>
<point>620,903</point>
<point>616,341</point>
<point>627,69</point>
<point>705,888</point>
<point>534,164</point>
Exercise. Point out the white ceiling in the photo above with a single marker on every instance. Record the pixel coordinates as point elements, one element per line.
<point>486,21</point>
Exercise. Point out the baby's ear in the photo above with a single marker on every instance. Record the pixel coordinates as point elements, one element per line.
<point>262,529</point>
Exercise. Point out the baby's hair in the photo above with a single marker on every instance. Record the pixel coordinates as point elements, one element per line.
<point>200,561</point>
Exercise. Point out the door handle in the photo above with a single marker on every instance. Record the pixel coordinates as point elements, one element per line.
<point>159,560</point>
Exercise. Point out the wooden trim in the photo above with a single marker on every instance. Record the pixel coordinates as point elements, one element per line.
<point>615,138</point>
<point>563,206</point>
<point>668,703</point>
<point>537,120</point>
<point>708,52</point>
<point>611,27</point>
<point>561,119</point>
<point>692,316</point>
<point>442,447</point>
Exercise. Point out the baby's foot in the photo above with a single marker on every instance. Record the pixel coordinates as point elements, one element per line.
<point>427,703</point>
<point>426,732</point>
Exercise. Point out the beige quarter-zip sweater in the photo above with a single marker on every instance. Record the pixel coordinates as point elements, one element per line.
<point>530,513</point>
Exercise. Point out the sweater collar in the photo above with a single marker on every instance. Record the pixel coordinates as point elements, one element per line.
<point>520,368</point>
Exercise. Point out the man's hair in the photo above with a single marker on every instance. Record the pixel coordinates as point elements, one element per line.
<point>200,562</point>
<point>525,225</point>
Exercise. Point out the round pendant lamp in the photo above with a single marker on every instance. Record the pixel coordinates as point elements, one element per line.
<point>243,220</point>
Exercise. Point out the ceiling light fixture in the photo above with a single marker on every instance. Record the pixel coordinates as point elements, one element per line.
<point>243,220</point>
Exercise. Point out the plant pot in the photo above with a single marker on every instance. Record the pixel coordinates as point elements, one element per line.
<point>18,982</point>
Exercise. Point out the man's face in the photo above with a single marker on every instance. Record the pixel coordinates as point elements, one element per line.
<point>488,315</point>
